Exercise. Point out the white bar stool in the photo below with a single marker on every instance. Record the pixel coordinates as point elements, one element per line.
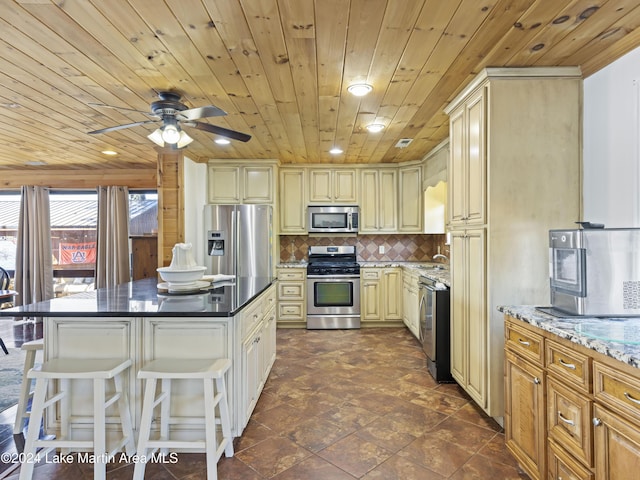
<point>31,348</point>
<point>215,394</point>
<point>65,370</point>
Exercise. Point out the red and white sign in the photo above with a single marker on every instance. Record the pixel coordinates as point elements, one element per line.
<point>70,253</point>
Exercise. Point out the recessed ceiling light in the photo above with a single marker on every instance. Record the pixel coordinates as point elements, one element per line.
<point>335,151</point>
<point>375,127</point>
<point>109,152</point>
<point>222,141</point>
<point>359,89</point>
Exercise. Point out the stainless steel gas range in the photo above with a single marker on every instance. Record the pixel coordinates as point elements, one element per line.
<point>333,288</point>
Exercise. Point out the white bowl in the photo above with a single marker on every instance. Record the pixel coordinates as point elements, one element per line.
<point>187,275</point>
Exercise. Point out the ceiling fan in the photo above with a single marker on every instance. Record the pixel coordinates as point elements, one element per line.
<point>174,115</point>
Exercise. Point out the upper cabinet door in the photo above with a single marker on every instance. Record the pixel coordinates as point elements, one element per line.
<point>333,186</point>
<point>224,184</point>
<point>467,163</point>
<point>258,184</point>
<point>410,199</point>
<point>457,167</point>
<point>476,157</point>
<point>293,205</point>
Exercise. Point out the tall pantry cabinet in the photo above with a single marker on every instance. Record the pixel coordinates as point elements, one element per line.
<point>514,174</point>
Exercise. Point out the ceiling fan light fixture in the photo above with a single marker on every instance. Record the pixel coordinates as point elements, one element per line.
<point>156,137</point>
<point>335,151</point>
<point>375,127</point>
<point>222,141</point>
<point>184,140</point>
<point>359,89</point>
<point>170,134</point>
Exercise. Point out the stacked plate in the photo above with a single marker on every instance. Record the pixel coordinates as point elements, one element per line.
<point>182,280</point>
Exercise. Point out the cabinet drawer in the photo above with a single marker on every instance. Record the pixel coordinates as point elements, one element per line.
<point>568,365</point>
<point>251,316</point>
<point>269,301</point>
<point>291,291</point>
<point>563,466</point>
<point>525,343</point>
<point>369,274</point>
<point>291,274</point>
<point>569,420</point>
<point>618,390</point>
<point>290,311</point>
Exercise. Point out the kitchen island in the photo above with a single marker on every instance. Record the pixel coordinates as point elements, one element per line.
<point>572,390</point>
<point>137,321</point>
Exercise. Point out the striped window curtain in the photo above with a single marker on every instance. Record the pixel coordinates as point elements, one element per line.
<point>112,262</point>
<point>34,258</point>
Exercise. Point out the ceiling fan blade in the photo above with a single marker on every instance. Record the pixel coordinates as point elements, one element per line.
<point>120,127</point>
<point>223,132</point>
<point>201,112</point>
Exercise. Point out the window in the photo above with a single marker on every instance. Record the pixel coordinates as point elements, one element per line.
<point>73,233</point>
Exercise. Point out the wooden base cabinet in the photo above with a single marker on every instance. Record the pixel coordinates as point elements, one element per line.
<point>591,408</point>
<point>524,415</point>
<point>617,446</point>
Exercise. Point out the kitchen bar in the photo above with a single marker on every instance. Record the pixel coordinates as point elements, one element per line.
<point>135,321</point>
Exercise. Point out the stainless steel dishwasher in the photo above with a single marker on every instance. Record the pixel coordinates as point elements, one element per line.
<point>435,328</point>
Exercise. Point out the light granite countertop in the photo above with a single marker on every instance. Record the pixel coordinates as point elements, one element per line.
<point>616,337</point>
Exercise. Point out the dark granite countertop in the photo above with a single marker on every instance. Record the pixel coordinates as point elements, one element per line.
<point>618,337</point>
<point>142,299</point>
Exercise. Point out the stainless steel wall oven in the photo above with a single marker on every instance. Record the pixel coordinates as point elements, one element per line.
<point>333,288</point>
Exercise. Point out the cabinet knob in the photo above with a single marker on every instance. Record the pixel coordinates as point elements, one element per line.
<point>536,380</point>
<point>596,422</point>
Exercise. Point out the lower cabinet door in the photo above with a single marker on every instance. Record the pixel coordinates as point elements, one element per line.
<point>616,446</point>
<point>524,415</point>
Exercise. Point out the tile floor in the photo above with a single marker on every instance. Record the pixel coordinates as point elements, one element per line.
<point>344,405</point>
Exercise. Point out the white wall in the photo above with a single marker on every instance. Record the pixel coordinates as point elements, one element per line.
<point>611,181</point>
<point>195,190</point>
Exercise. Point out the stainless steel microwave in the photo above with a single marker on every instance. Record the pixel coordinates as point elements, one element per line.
<point>595,271</point>
<point>333,218</point>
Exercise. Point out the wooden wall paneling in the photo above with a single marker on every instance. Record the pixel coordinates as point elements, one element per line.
<point>170,203</point>
<point>79,179</point>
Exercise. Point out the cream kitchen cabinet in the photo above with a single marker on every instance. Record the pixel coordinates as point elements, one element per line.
<point>240,183</point>
<point>468,167</point>
<point>293,203</point>
<point>380,294</point>
<point>411,301</point>
<point>379,201</point>
<point>333,186</point>
<point>292,297</point>
<point>513,174</point>
<point>410,199</point>
<point>468,306</point>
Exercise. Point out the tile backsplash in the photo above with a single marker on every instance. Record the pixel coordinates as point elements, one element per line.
<point>398,248</point>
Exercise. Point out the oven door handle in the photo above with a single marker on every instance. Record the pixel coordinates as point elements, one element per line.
<point>333,278</point>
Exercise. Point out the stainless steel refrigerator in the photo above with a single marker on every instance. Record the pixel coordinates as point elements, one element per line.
<point>239,240</point>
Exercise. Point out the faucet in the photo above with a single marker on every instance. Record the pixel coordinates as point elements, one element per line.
<point>439,255</point>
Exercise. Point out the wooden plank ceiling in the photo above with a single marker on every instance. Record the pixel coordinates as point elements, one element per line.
<point>279,68</point>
